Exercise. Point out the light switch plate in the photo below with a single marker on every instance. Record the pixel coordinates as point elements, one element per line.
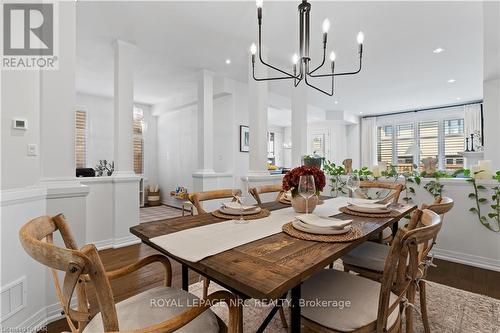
<point>32,149</point>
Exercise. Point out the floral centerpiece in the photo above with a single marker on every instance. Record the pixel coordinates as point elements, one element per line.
<point>291,183</point>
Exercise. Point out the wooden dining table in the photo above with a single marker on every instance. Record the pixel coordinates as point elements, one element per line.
<point>268,268</point>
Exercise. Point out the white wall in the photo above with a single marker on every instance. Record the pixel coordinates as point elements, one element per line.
<point>20,99</point>
<point>100,134</point>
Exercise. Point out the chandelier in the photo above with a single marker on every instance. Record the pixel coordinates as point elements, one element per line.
<point>302,60</point>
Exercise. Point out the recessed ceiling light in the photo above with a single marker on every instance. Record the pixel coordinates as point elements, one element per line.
<point>360,112</point>
<point>451,80</point>
<point>228,61</point>
<point>459,98</point>
<point>336,102</point>
<point>438,50</point>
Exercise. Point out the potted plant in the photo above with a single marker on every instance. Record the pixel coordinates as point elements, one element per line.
<point>291,183</point>
<point>312,161</point>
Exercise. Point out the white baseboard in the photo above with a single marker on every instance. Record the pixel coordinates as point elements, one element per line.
<point>42,318</point>
<point>125,241</point>
<point>467,259</point>
<point>103,244</point>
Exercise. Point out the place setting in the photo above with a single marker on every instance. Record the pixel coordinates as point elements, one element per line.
<point>319,228</point>
<point>366,207</point>
<point>238,211</point>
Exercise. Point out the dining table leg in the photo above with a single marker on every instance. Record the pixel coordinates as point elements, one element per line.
<point>185,277</point>
<point>295,309</point>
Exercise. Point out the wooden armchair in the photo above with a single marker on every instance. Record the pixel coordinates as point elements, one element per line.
<point>368,258</point>
<point>375,306</point>
<point>197,197</point>
<point>394,189</point>
<point>83,267</point>
<point>256,191</point>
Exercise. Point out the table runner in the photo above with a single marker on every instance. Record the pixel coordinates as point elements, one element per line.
<point>198,243</point>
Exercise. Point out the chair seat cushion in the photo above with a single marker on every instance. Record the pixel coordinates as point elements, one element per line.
<point>154,306</point>
<point>369,255</point>
<point>332,285</point>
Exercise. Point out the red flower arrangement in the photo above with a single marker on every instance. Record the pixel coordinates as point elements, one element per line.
<point>291,178</point>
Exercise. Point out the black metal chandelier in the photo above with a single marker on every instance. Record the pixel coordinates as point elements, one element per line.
<point>303,60</point>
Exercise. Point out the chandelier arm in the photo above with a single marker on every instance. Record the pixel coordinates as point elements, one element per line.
<point>322,63</point>
<point>319,89</point>
<point>340,74</point>
<point>262,60</point>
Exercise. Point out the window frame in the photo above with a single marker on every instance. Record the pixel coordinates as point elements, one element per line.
<point>420,117</point>
<point>142,137</point>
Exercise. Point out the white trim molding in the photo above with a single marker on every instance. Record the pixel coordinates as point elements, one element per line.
<point>467,259</point>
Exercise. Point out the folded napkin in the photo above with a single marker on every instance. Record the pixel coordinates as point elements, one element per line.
<point>370,205</point>
<point>236,206</point>
<point>323,222</point>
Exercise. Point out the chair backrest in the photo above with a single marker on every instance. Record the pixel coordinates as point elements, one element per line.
<point>256,191</point>
<point>441,205</point>
<point>197,197</point>
<point>401,265</point>
<point>394,188</point>
<point>80,267</point>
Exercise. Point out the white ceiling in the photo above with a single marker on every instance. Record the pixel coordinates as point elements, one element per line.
<point>175,39</point>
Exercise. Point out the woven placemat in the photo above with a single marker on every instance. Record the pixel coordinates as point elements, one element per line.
<point>351,212</point>
<point>353,234</point>
<point>259,215</point>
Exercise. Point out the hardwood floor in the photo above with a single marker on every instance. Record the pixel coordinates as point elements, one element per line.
<point>476,280</point>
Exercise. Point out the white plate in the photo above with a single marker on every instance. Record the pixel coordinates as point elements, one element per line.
<point>319,231</point>
<point>231,211</point>
<point>366,209</point>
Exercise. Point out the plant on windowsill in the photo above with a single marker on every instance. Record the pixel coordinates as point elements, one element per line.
<point>335,172</point>
<point>363,173</point>
<point>434,187</point>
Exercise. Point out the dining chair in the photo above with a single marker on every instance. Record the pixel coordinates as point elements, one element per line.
<point>197,197</point>
<point>375,306</point>
<point>256,191</point>
<point>394,192</point>
<point>83,268</point>
<point>368,258</point>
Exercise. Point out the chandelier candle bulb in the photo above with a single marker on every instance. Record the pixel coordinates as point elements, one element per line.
<point>259,10</point>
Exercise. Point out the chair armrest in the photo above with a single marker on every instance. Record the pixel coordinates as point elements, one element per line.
<point>185,317</point>
<point>120,272</point>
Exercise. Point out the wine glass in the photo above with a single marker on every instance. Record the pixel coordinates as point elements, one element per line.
<point>307,188</point>
<point>239,196</point>
<point>352,183</point>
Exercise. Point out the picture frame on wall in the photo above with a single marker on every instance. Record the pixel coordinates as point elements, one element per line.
<point>244,139</point>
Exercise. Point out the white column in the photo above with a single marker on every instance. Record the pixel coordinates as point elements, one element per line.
<point>299,123</point>
<point>123,107</point>
<point>257,118</point>
<point>491,83</point>
<point>205,122</point>
<point>57,105</point>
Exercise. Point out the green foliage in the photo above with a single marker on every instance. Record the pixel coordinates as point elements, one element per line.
<point>481,201</point>
<point>391,173</point>
<point>335,172</point>
<point>362,173</point>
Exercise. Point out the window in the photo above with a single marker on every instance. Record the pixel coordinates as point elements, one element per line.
<point>428,134</point>
<point>404,143</point>
<point>384,144</point>
<point>453,143</point>
<point>412,142</point>
<point>270,144</point>
<point>138,141</point>
<point>80,139</point>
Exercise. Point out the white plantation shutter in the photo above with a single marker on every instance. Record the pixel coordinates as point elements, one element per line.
<point>384,144</point>
<point>428,134</point>
<point>80,139</point>
<point>405,138</point>
<point>138,141</point>
<point>453,143</point>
